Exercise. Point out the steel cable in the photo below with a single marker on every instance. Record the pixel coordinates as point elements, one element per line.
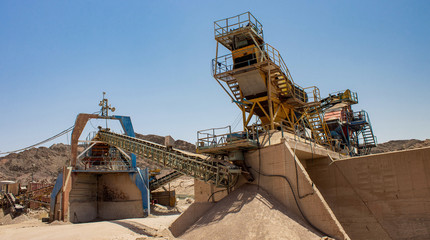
<point>42,142</point>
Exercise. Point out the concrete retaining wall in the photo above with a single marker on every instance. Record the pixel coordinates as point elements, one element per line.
<point>381,196</point>
<point>118,197</point>
<point>83,198</point>
<point>279,160</point>
<point>103,197</point>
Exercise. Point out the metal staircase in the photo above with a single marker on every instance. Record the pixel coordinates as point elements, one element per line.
<point>280,76</point>
<point>218,172</point>
<point>11,201</point>
<point>368,140</point>
<point>234,88</point>
<point>363,139</point>
<point>319,129</point>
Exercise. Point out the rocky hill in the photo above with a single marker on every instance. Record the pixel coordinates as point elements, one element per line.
<point>396,145</point>
<point>44,164</point>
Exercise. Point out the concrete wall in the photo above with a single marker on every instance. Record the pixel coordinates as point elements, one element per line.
<point>118,197</point>
<point>103,197</point>
<point>381,196</point>
<point>83,198</point>
<point>205,192</point>
<point>278,160</point>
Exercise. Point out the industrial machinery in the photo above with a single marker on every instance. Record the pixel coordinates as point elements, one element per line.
<point>258,81</point>
<point>256,78</point>
<point>352,129</point>
<point>109,156</point>
<point>99,162</point>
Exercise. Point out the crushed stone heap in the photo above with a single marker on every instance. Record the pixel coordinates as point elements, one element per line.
<point>249,213</point>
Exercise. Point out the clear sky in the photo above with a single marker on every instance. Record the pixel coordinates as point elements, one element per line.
<point>153,58</point>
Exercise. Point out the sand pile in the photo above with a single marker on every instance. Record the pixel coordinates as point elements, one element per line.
<point>249,213</point>
<point>6,219</point>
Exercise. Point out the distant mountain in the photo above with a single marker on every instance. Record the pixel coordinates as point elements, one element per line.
<point>45,163</point>
<point>396,145</point>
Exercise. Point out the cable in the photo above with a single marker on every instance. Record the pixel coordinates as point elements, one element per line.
<point>42,142</point>
<point>222,190</point>
<point>289,184</point>
<point>228,189</point>
<point>291,188</point>
<point>236,121</point>
<point>295,199</point>
<point>92,124</point>
<point>46,140</point>
<point>297,174</point>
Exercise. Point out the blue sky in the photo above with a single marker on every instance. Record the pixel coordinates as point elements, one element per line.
<point>153,60</point>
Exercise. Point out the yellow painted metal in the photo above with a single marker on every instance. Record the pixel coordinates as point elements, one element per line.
<point>318,127</point>
<point>241,52</point>
<point>284,103</point>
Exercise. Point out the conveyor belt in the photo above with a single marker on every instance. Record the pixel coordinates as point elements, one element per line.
<point>215,171</point>
<point>157,183</point>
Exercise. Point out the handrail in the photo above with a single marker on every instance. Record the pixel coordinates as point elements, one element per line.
<point>211,170</point>
<point>345,94</point>
<point>224,65</point>
<point>226,25</point>
<point>313,94</point>
<point>212,138</point>
<point>360,116</point>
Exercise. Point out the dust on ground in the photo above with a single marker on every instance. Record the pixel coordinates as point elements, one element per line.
<point>152,227</point>
<point>28,217</point>
<point>30,226</point>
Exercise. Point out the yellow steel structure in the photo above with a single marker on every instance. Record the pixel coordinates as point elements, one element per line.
<point>259,81</point>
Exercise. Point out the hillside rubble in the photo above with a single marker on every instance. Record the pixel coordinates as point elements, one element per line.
<point>396,145</point>
<point>44,164</point>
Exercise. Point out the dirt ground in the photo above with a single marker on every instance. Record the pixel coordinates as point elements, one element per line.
<point>247,213</point>
<point>152,227</point>
<point>30,226</point>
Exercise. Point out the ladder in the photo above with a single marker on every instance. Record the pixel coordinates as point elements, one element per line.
<point>281,83</point>
<point>317,125</point>
<point>235,89</point>
<point>284,84</point>
<point>218,172</point>
<point>369,139</point>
